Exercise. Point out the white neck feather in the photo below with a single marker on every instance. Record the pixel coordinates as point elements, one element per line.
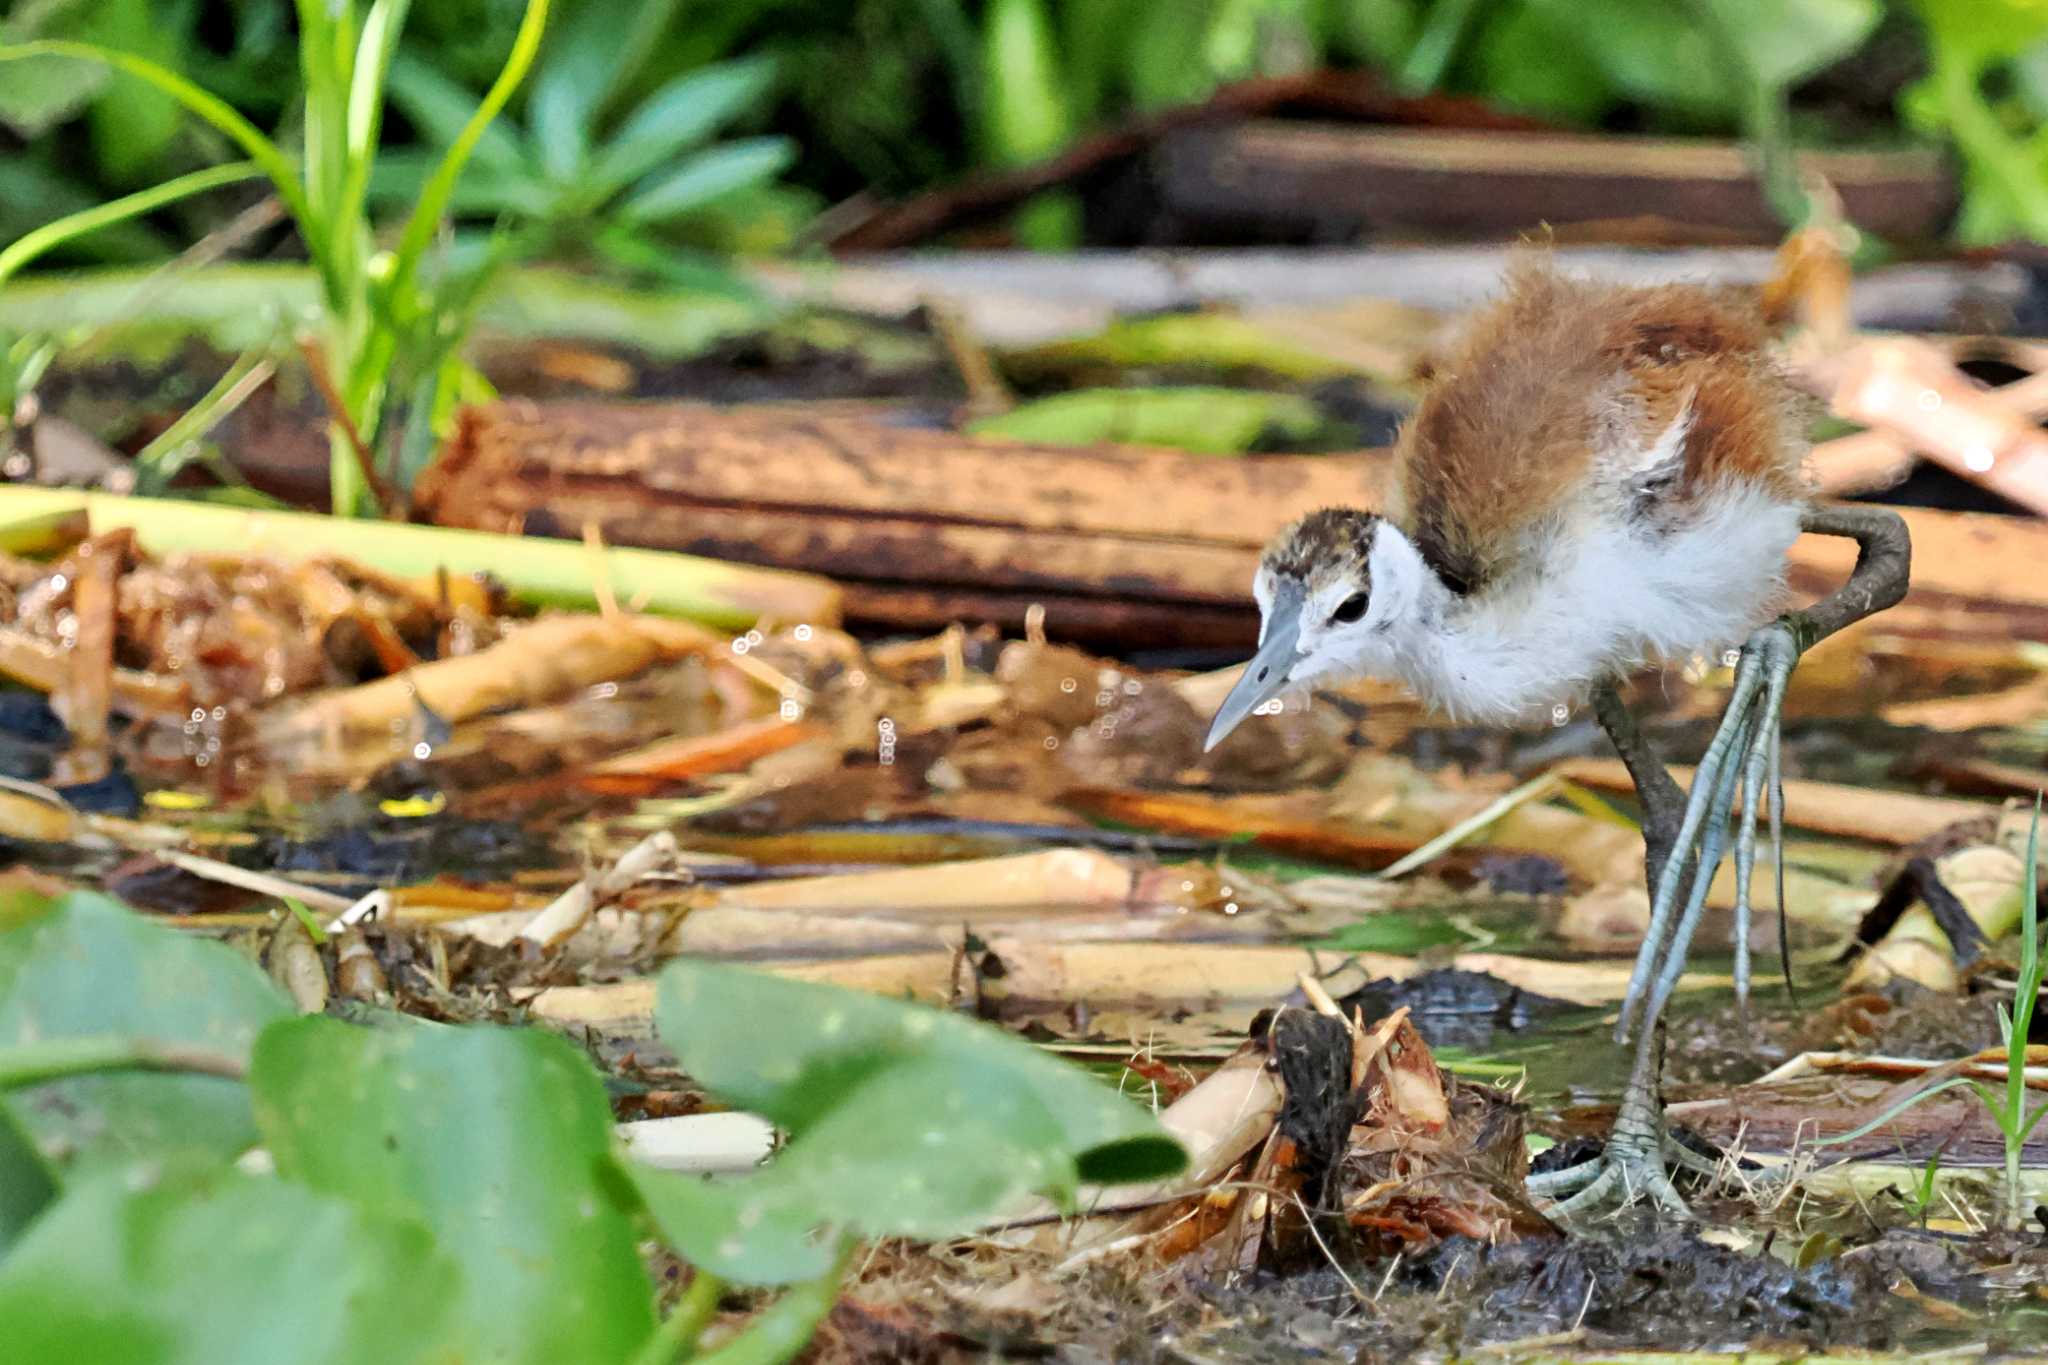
<point>1603,597</point>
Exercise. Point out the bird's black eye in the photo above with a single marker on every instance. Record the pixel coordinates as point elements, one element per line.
<point>1350,609</point>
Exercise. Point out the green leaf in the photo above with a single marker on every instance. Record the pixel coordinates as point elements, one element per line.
<point>1167,64</point>
<point>1395,932</point>
<point>679,115</point>
<point>400,176</point>
<point>1094,35</point>
<point>925,1147</point>
<point>42,92</point>
<point>1025,114</point>
<point>132,121</point>
<point>199,1266</point>
<point>2033,1121</point>
<point>27,1183</point>
<point>1977,33</point>
<point>439,108</point>
<point>1659,54</point>
<point>424,223</point>
<point>706,177</point>
<point>497,1138</point>
<point>284,175</point>
<point>587,60</point>
<point>90,968</point>
<point>1566,84</point>
<point>796,1053</point>
<point>31,194</point>
<point>1205,421</point>
<point>72,226</point>
<point>757,1229</point>
<point>39,94</point>
<point>1377,32</point>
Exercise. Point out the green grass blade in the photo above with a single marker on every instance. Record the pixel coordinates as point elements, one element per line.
<point>2029,984</point>
<point>284,175</point>
<point>322,41</point>
<point>244,134</point>
<point>30,245</point>
<point>426,216</point>
<point>2033,1121</point>
<point>439,108</point>
<point>1917,1097</point>
<point>365,113</point>
<point>159,461</point>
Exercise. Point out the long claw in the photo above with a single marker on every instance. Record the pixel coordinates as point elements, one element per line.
<point>1608,1174</point>
<point>1634,1164</point>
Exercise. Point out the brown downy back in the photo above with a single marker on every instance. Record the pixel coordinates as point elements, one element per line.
<point>1561,386</point>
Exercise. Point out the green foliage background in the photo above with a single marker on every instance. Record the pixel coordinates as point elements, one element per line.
<point>891,96</point>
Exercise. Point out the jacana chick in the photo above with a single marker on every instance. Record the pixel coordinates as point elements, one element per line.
<point>1602,476</point>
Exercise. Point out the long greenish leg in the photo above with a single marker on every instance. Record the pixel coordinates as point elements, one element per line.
<point>1762,757</point>
<point>1774,647</point>
<point>1659,936</point>
<point>1640,1152</point>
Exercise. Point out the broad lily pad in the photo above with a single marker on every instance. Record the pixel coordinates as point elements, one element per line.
<point>88,967</point>
<point>905,1121</point>
<point>203,1266</point>
<point>497,1138</point>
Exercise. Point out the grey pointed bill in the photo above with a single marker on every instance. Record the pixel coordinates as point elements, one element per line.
<point>1265,677</point>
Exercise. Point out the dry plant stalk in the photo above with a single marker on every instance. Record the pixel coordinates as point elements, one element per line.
<point>567,913</point>
<point>1881,817</point>
<point>1036,971</point>
<point>1057,877</point>
<point>530,665</point>
<point>645,769</point>
<point>84,697</point>
<point>1906,386</point>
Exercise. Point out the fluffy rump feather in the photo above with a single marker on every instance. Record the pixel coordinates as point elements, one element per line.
<point>1557,395</point>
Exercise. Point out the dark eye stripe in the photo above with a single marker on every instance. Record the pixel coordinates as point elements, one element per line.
<point>1349,610</point>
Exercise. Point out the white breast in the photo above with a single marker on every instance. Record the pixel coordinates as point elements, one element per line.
<point>1610,596</point>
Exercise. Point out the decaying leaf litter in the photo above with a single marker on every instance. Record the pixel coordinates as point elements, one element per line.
<point>393,787</point>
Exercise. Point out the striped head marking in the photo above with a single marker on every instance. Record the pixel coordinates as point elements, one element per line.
<point>1314,589</point>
